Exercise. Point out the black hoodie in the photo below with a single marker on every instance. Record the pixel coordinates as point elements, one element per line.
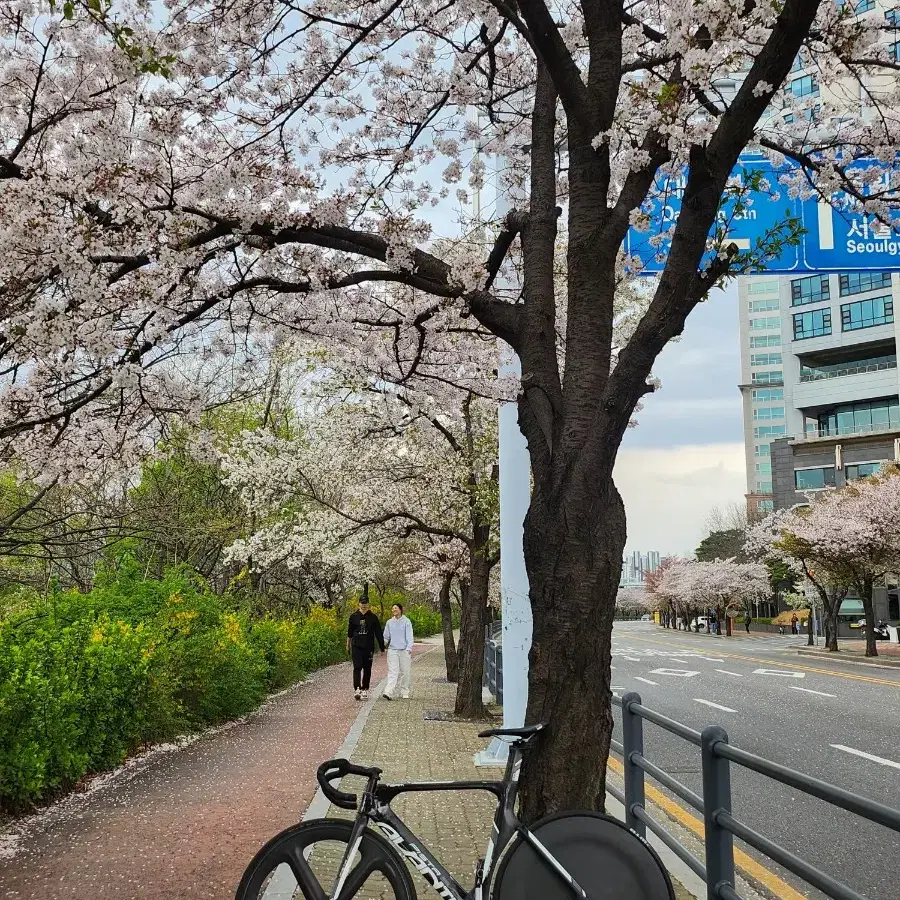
<point>364,629</point>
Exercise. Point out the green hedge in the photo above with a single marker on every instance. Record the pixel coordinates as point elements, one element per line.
<point>86,680</point>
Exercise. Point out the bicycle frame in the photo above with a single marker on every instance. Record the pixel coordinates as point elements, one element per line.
<point>375,809</point>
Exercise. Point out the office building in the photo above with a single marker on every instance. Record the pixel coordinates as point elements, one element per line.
<point>820,382</point>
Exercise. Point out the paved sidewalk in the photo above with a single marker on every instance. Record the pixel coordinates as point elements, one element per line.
<point>186,823</point>
<point>398,739</point>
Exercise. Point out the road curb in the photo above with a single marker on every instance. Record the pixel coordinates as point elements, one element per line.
<point>836,657</point>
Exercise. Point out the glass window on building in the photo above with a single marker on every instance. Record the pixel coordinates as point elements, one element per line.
<point>776,376</point>
<point>765,340</point>
<point>763,286</point>
<point>762,449</point>
<point>854,367</point>
<point>814,289</point>
<point>767,395</point>
<point>816,323</point>
<point>867,313</point>
<point>859,418</point>
<point>806,85</point>
<point>861,470</point>
<point>862,6</point>
<point>766,323</point>
<point>769,431</point>
<point>814,479</point>
<point>765,359</point>
<point>763,487</point>
<point>764,468</point>
<point>765,506</point>
<point>757,306</point>
<point>860,282</point>
<point>769,412</point>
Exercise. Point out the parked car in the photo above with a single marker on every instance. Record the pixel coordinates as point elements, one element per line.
<point>645,617</point>
<point>880,629</point>
<point>701,621</point>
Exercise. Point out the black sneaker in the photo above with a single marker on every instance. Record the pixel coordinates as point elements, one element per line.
<point>387,696</point>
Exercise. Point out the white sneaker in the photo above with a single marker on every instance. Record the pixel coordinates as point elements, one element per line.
<point>406,696</point>
<point>365,695</point>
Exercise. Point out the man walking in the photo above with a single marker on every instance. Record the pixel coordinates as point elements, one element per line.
<point>398,633</point>
<point>747,620</point>
<point>363,630</point>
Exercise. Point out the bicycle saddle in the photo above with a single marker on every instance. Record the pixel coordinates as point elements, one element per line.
<point>526,731</point>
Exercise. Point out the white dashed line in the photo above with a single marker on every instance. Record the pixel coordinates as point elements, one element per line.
<point>808,691</point>
<point>645,680</point>
<point>714,705</point>
<point>878,759</point>
<point>633,658</point>
<point>726,672</point>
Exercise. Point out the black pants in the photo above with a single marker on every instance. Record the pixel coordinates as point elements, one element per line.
<point>362,668</point>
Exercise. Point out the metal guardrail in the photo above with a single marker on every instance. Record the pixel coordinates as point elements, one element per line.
<point>493,660</point>
<point>848,370</point>
<point>717,756</point>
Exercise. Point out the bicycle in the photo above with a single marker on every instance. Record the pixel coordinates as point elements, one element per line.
<point>583,855</point>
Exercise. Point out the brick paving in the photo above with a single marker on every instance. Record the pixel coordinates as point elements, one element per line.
<point>398,739</point>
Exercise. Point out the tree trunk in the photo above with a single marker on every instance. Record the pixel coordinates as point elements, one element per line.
<point>469,704</point>
<point>573,554</point>
<point>864,587</point>
<point>450,657</point>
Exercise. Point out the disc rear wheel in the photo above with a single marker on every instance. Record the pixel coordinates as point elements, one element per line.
<point>302,863</point>
<point>606,859</point>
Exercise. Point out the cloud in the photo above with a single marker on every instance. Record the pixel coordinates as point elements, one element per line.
<point>669,493</point>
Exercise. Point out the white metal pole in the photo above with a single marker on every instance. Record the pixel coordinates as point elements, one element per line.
<point>515,496</point>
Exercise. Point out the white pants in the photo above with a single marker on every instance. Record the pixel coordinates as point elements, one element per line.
<point>399,670</point>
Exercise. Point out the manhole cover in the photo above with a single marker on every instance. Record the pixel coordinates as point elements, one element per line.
<point>437,715</point>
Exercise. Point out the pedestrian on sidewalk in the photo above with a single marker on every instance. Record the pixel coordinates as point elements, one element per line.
<point>747,620</point>
<point>363,630</point>
<point>795,626</point>
<point>398,634</point>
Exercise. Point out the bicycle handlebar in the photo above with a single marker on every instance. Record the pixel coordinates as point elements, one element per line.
<point>338,768</point>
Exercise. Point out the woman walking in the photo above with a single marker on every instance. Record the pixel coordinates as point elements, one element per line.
<point>398,635</point>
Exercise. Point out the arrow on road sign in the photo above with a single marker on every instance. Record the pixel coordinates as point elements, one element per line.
<point>678,673</point>
<point>782,674</point>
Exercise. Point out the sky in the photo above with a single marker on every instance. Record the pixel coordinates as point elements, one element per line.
<point>686,454</point>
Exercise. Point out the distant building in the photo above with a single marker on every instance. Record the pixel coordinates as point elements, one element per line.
<point>636,566</point>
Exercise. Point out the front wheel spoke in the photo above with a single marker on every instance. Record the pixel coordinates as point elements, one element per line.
<point>306,880</point>
<point>358,877</point>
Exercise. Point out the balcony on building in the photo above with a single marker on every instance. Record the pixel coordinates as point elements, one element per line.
<point>845,375</point>
<point>854,420</point>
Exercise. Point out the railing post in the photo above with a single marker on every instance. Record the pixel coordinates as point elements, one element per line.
<point>633,744</point>
<point>716,798</point>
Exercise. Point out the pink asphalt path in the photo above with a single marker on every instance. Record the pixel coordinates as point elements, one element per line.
<point>189,821</point>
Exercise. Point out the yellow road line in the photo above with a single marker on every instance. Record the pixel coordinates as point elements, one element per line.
<point>772,662</point>
<point>745,863</point>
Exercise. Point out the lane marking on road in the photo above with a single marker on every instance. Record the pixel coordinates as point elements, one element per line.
<point>612,667</point>
<point>772,662</point>
<point>726,672</point>
<point>711,658</point>
<point>645,680</point>
<point>779,674</point>
<point>633,658</point>
<point>870,756</point>
<point>745,863</point>
<point>714,705</point>
<point>794,687</point>
<point>678,673</point>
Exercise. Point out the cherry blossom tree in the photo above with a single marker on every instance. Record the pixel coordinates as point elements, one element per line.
<point>372,470</point>
<point>849,537</point>
<point>181,178</point>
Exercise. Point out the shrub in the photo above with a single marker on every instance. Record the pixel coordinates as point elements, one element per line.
<point>87,679</point>
<point>425,620</point>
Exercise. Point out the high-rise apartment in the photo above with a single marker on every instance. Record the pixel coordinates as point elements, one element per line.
<point>819,380</point>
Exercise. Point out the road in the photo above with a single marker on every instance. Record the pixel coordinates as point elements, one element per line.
<point>840,723</point>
